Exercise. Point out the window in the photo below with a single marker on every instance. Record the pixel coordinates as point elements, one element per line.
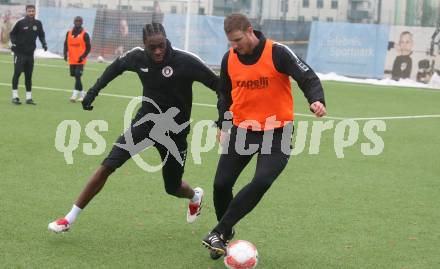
<point>284,6</point>
<point>201,11</point>
<point>319,3</point>
<point>301,18</point>
<point>75,5</point>
<point>334,4</point>
<point>329,19</point>
<point>99,6</point>
<point>148,8</point>
<point>125,7</point>
<point>173,9</point>
<point>314,18</point>
<point>305,3</point>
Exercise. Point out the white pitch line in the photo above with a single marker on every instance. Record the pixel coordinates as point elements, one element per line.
<point>399,117</point>
<point>214,106</point>
<point>54,66</point>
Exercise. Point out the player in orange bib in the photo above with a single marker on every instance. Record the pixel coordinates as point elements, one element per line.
<point>255,89</point>
<point>76,48</point>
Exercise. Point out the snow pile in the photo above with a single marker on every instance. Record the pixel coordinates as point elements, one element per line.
<point>433,84</point>
<point>40,53</point>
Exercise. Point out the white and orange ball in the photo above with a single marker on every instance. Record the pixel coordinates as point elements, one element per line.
<point>241,254</point>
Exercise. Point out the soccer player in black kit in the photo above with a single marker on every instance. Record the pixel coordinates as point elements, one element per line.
<point>167,75</point>
<point>23,37</point>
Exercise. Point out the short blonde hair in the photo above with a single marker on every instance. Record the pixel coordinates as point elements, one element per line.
<point>236,21</point>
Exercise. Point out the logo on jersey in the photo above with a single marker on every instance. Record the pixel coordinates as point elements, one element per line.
<point>261,83</point>
<point>34,28</point>
<point>145,70</point>
<point>301,65</point>
<point>167,71</point>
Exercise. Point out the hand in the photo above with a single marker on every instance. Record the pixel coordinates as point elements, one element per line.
<point>45,47</point>
<point>88,100</point>
<point>318,109</point>
<point>65,58</point>
<point>81,58</point>
<point>13,47</point>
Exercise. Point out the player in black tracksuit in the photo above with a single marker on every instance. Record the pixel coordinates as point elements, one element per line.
<point>23,37</point>
<point>167,76</point>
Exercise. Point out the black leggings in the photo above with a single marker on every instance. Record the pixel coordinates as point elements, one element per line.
<point>76,71</point>
<point>78,84</point>
<point>23,63</point>
<point>230,210</point>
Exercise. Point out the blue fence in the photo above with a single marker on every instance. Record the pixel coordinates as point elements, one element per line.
<point>207,38</point>
<point>357,50</point>
<point>57,21</point>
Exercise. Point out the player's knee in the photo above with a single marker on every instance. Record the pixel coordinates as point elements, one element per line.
<point>221,186</point>
<point>172,189</point>
<point>262,185</point>
<point>104,168</point>
<point>172,176</point>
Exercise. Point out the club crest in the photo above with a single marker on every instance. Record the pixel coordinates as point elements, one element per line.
<point>167,71</point>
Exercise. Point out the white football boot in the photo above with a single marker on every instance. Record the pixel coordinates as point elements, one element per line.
<point>59,226</point>
<point>194,208</point>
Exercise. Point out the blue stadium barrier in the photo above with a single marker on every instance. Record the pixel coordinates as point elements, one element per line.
<point>57,21</point>
<point>207,38</point>
<point>356,50</point>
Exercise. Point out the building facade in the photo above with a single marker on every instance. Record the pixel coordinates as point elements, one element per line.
<point>392,12</point>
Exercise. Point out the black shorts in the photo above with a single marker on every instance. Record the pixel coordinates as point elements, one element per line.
<point>76,70</point>
<point>172,169</point>
<point>23,63</point>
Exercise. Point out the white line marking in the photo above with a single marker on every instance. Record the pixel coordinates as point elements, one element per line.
<point>55,66</point>
<point>214,106</point>
<point>399,117</point>
<point>357,83</point>
<point>389,87</point>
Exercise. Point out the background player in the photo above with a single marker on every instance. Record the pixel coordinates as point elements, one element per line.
<point>76,48</point>
<point>23,37</point>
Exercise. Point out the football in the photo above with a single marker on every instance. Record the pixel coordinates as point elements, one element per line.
<point>241,254</point>
<point>100,59</point>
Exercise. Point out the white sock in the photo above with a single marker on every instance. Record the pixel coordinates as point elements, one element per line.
<point>75,93</point>
<point>74,212</point>
<point>83,94</point>
<point>14,93</point>
<point>28,95</point>
<point>196,197</point>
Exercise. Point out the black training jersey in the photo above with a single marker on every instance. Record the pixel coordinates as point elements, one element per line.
<point>25,33</point>
<point>285,61</point>
<point>168,84</point>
